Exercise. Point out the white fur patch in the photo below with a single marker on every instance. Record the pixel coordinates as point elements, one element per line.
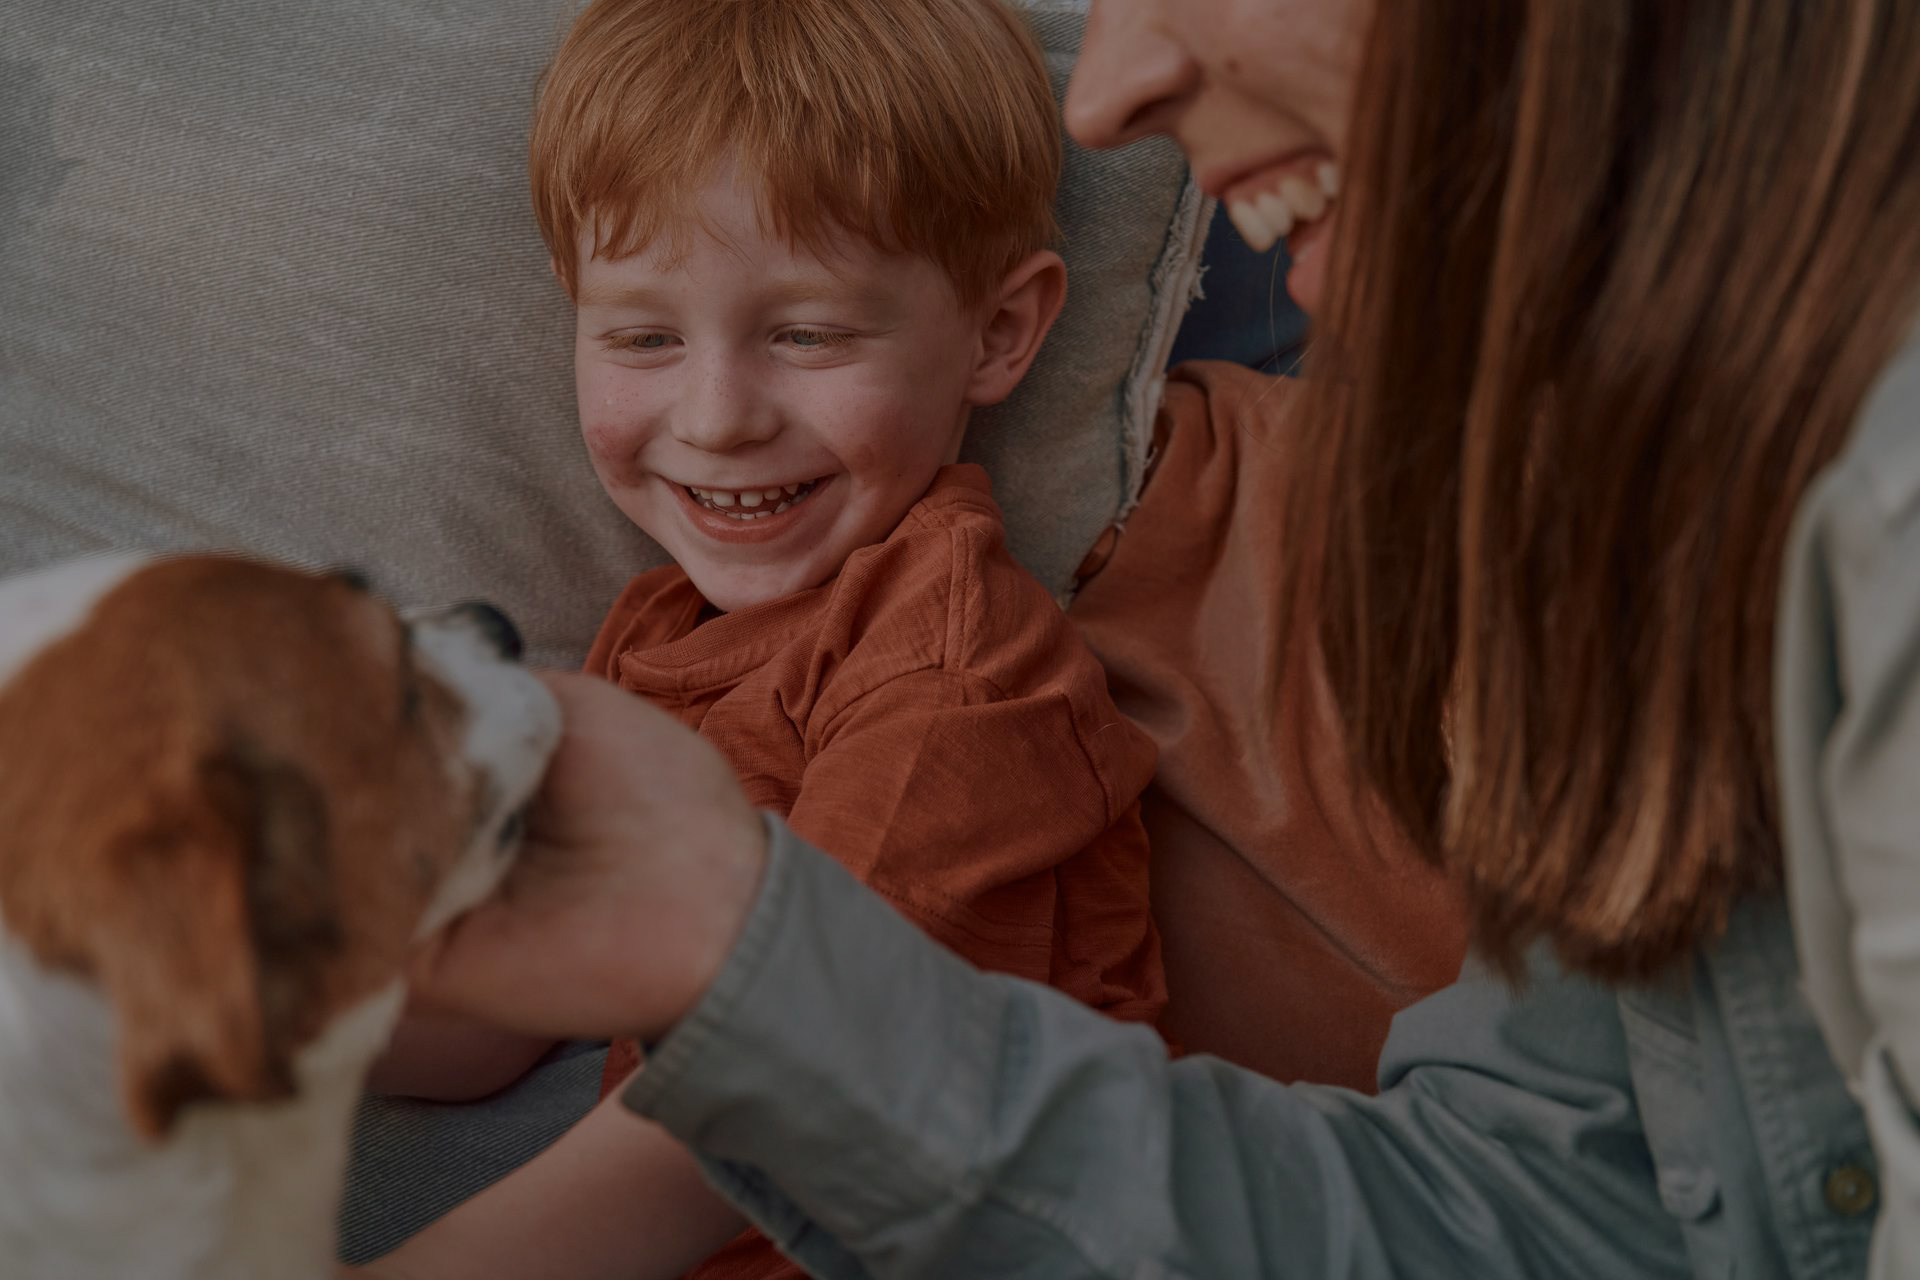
<point>512,726</point>
<point>38,608</point>
<point>233,1193</point>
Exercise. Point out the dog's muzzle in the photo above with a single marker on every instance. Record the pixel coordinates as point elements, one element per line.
<point>495,627</point>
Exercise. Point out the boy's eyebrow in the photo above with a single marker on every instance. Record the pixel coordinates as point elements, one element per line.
<point>626,295</point>
<point>826,289</point>
<point>788,292</point>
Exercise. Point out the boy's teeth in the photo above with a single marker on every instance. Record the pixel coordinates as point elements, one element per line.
<point>1328,176</point>
<point>785,496</point>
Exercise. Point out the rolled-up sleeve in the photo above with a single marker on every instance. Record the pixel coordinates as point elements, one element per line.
<point>883,1109</point>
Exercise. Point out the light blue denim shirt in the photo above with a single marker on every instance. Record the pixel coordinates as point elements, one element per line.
<point>884,1110</point>
<point>1848,695</point>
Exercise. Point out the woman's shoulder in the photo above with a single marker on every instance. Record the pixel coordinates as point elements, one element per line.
<point>1213,407</point>
<point>1870,495</point>
<point>1850,598</point>
<point>1846,715</point>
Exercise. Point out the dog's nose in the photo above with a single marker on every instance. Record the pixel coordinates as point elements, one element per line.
<point>495,626</point>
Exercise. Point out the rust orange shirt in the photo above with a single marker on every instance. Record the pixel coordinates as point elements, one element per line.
<point>932,719</point>
<point>1296,919</point>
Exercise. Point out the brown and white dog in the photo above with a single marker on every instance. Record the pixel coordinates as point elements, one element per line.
<point>231,797</point>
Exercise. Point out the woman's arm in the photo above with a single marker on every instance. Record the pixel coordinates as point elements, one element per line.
<point>883,1109</point>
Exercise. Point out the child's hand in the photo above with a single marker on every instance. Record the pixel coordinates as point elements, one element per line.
<point>641,861</point>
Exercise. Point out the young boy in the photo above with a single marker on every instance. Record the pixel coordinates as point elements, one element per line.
<point>805,238</point>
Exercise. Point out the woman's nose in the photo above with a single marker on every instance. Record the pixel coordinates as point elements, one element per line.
<point>1131,68</point>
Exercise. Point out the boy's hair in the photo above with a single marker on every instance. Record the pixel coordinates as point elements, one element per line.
<point>925,127</point>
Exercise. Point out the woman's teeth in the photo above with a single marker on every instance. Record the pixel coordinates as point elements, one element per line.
<point>1264,221</point>
<point>746,504</point>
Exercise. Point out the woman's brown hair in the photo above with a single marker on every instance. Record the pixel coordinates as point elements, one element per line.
<point>1612,283</point>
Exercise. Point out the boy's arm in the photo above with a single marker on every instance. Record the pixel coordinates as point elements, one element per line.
<point>614,1198</point>
<point>442,1058</point>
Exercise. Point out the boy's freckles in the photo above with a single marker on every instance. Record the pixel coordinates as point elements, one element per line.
<point>600,441</point>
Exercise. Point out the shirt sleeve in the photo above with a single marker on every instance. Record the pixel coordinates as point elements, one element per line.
<point>988,820</point>
<point>1848,703</point>
<point>882,1109</point>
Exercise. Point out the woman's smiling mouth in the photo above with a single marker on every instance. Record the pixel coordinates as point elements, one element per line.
<point>1273,205</point>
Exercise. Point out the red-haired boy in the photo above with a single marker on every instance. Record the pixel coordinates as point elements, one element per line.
<point>805,239</point>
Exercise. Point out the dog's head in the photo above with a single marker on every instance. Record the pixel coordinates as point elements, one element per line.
<point>232,795</point>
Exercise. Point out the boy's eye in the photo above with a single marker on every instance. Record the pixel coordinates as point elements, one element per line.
<point>817,339</point>
<point>643,341</point>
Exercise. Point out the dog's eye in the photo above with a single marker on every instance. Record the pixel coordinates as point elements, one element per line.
<point>409,676</point>
<point>352,578</point>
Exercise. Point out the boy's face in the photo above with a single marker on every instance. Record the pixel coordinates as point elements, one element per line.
<point>762,413</point>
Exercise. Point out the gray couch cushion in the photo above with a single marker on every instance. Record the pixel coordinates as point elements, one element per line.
<point>269,281</point>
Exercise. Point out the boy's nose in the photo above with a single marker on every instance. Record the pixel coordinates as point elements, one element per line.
<point>722,412</point>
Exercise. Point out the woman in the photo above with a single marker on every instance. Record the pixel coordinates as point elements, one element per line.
<point>1604,290</point>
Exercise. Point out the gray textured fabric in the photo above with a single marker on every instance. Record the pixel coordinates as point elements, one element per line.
<point>1133,228</point>
<point>413,1161</point>
<point>269,280</point>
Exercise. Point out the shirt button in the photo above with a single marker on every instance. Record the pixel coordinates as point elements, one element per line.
<point>1851,1191</point>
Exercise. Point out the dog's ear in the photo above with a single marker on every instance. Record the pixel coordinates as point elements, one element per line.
<point>227,919</point>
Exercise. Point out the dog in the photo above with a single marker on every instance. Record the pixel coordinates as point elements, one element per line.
<point>232,798</point>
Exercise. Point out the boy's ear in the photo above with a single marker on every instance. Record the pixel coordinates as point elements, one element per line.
<point>1015,323</point>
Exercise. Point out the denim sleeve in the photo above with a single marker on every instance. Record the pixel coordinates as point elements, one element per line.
<point>1848,706</point>
<point>884,1110</point>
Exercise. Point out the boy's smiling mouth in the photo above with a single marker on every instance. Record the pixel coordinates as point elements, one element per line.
<point>754,504</point>
<point>727,515</point>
